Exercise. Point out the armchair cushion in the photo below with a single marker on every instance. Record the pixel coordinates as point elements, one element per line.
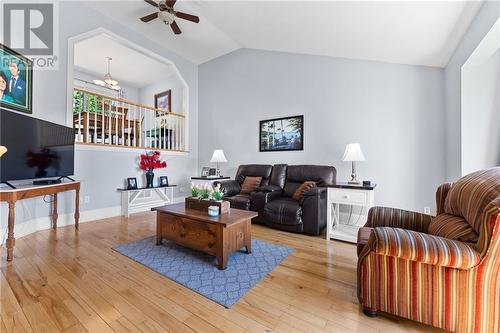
<point>471,194</point>
<point>423,248</point>
<point>397,218</point>
<point>453,227</point>
<point>303,188</point>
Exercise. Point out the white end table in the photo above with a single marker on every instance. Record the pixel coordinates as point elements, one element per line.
<point>207,180</point>
<point>346,194</point>
<point>144,198</point>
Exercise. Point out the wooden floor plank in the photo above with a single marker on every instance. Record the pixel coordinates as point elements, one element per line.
<point>67,281</point>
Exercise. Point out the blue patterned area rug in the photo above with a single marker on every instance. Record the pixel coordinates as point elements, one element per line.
<point>198,271</point>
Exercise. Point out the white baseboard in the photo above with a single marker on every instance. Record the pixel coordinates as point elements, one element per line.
<point>44,223</point>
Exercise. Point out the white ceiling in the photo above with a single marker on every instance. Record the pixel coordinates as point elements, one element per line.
<point>128,66</point>
<point>406,32</point>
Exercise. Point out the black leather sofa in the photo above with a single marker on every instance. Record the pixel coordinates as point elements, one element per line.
<point>273,199</point>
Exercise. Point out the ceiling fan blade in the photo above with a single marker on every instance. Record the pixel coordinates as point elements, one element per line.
<point>149,17</point>
<point>152,3</point>
<point>170,3</point>
<point>175,28</point>
<point>188,17</point>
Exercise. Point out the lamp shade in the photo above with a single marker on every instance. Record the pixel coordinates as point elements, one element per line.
<point>353,153</point>
<point>3,150</point>
<point>218,156</point>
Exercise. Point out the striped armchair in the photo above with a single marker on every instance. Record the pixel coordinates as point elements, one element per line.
<point>443,271</point>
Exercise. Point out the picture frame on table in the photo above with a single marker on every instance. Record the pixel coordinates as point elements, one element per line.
<point>131,183</point>
<point>205,171</point>
<point>16,81</point>
<point>163,180</point>
<point>281,134</point>
<point>163,101</point>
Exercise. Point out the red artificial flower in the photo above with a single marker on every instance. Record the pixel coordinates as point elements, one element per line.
<point>151,161</point>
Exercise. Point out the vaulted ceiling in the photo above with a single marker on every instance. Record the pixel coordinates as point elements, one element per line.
<point>405,32</point>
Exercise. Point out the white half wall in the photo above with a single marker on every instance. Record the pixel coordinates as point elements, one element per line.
<point>481,113</point>
<point>487,16</point>
<point>396,113</point>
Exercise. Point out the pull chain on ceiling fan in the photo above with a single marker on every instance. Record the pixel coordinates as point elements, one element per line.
<point>167,14</point>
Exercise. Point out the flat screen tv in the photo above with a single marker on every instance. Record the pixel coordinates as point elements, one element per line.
<point>36,148</point>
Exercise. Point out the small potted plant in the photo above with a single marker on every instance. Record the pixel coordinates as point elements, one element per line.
<point>195,191</point>
<point>205,192</point>
<point>150,162</point>
<point>218,193</point>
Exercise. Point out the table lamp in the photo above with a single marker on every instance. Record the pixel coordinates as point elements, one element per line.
<point>3,150</point>
<point>218,157</point>
<point>353,154</point>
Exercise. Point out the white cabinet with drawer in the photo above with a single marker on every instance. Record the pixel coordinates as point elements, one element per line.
<point>347,194</point>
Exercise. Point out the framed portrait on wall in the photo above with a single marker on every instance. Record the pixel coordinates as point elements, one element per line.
<point>163,101</point>
<point>16,81</point>
<point>281,134</point>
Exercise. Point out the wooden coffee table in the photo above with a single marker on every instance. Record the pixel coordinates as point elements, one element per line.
<point>218,236</point>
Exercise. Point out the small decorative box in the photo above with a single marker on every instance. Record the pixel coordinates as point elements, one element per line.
<point>213,210</point>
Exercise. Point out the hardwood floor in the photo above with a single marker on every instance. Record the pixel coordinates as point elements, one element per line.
<point>60,281</point>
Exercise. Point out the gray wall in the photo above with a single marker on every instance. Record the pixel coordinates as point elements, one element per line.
<point>147,94</point>
<point>487,16</point>
<point>101,172</point>
<point>396,113</point>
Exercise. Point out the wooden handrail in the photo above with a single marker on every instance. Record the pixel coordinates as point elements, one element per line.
<point>121,100</point>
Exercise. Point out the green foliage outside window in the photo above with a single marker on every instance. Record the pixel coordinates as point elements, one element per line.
<point>94,103</point>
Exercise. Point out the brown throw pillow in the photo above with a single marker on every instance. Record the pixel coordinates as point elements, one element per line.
<point>250,184</point>
<point>302,188</point>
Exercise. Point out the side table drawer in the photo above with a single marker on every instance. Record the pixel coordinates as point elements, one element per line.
<point>349,196</point>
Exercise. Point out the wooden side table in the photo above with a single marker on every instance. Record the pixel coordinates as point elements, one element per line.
<point>346,194</point>
<point>11,196</point>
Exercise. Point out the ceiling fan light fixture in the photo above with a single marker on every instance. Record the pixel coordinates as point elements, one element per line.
<point>99,82</point>
<point>167,17</point>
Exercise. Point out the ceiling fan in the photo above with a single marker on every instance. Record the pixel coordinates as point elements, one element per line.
<point>167,14</point>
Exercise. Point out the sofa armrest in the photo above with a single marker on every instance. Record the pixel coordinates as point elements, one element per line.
<point>315,191</point>
<point>313,203</point>
<point>423,248</point>
<point>269,188</point>
<point>229,187</point>
<point>259,199</point>
<point>397,218</point>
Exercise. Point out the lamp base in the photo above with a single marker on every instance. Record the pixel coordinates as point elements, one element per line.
<point>354,182</point>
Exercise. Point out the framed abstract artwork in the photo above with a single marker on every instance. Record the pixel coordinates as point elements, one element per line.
<point>16,81</point>
<point>281,134</point>
<point>163,101</point>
